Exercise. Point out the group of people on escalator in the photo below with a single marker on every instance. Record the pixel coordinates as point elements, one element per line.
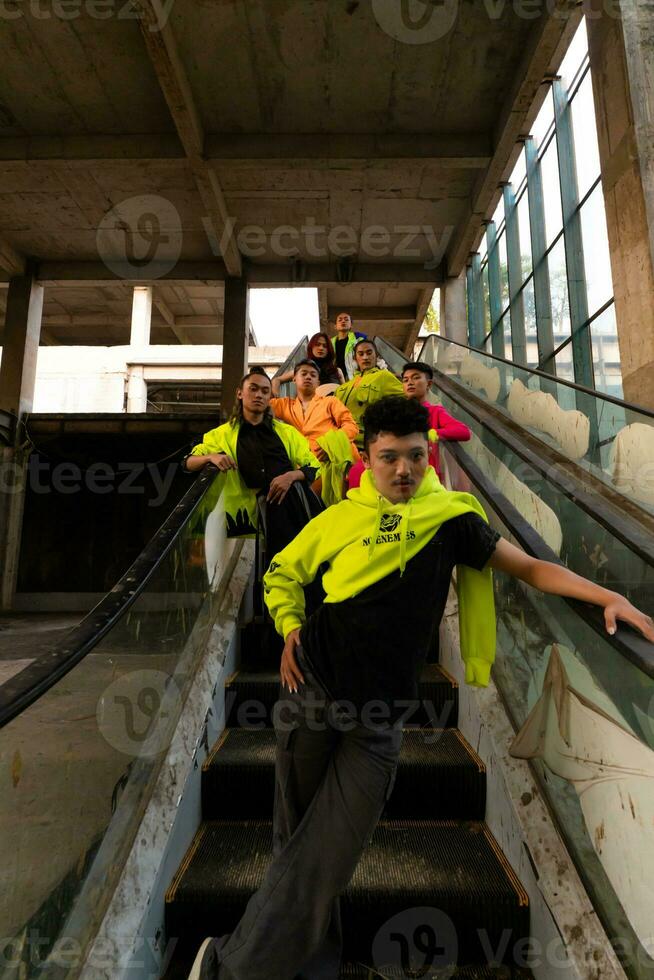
<point>384,549</point>
<point>264,458</point>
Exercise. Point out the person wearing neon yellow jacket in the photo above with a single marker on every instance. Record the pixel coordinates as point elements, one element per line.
<point>259,455</point>
<point>387,554</point>
<point>368,385</point>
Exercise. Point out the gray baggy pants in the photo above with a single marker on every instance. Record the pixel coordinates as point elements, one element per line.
<point>333,777</point>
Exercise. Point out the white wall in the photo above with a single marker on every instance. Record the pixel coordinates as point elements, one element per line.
<point>94,379</point>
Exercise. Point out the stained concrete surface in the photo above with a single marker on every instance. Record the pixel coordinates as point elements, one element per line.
<point>24,637</point>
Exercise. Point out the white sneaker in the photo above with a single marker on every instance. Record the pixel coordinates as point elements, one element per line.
<point>205,964</point>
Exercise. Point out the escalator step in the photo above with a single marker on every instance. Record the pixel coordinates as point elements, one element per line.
<point>439,777</point>
<point>358,971</point>
<point>454,867</point>
<point>249,699</point>
<point>180,967</point>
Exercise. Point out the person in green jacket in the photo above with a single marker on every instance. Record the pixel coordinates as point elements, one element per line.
<point>259,456</point>
<point>368,385</point>
<point>350,670</point>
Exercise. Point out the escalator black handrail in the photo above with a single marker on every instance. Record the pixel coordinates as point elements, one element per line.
<point>629,406</point>
<point>290,360</point>
<point>629,644</point>
<point>27,686</point>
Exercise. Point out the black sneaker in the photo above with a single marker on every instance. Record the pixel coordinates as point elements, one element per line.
<point>205,964</point>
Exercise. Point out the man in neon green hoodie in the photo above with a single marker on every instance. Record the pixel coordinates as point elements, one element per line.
<point>388,552</point>
<point>368,385</point>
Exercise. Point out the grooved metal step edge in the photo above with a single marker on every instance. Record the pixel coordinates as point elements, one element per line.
<point>456,868</point>
<point>439,776</point>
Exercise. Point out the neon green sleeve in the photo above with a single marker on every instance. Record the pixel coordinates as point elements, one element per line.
<point>293,567</point>
<point>301,454</point>
<point>212,442</point>
<point>391,385</point>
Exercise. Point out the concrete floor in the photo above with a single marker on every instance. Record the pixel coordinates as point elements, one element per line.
<point>24,636</point>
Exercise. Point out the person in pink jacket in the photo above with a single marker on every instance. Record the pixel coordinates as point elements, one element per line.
<point>416,379</point>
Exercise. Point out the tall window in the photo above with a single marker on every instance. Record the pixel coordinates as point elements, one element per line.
<point>543,277</point>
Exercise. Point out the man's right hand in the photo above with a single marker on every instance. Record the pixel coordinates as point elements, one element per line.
<point>290,673</point>
<point>222,461</point>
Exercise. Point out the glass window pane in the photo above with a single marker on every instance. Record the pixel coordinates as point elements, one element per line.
<point>543,120</point>
<point>575,55</point>
<point>606,353</point>
<point>529,304</point>
<point>564,366</point>
<point>559,293</point>
<point>485,290</point>
<point>519,172</point>
<point>498,217</point>
<point>524,228</point>
<point>597,260</point>
<point>504,270</point>
<point>551,193</point>
<point>585,137</point>
<point>508,340</point>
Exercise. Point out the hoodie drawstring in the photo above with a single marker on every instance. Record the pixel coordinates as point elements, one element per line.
<point>403,529</point>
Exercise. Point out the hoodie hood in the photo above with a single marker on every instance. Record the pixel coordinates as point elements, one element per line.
<point>367,495</point>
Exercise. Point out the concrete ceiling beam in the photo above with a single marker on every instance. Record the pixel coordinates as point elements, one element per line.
<point>404,314</point>
<point>162,49</point>
<point>361,274</point>
<point>256,149</point>
<point>64,149</point>
<point>97,273</point>
<point>12,262</point>
<point>549,37</point>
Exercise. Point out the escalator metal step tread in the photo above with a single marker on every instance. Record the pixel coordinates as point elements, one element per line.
<point>250,696</point>
<point>180,967</point>
<point>359,971</point>
<point>439,776</point>
<point>452,866</point>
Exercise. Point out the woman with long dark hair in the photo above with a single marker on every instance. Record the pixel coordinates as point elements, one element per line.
<point>321,350</point>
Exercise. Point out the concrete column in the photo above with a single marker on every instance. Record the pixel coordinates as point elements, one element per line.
<point>235,340</point>
<point>137,389</point>
<point>21,345</point>
<point>621,59</point>
<point>17,382</point>
<point>454,317</point>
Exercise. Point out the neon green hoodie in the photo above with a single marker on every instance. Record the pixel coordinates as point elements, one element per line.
<point>240,502</point>
<point>347,537</point>
<point>365,389</point>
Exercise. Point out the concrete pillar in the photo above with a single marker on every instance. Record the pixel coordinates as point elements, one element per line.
<point>621,60</point>
<point>17,382</point>
<point>137,389</point>
<point>454,316</point>
<point>235,340</point>
<point>21,345</point>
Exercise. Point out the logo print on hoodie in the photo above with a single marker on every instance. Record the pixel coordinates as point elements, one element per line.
<point>388,524</point>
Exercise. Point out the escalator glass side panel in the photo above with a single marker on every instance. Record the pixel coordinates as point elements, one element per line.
<point>79,764</point>
<point>612,440</point>
<point>587,717</point>
<point>583,544</point>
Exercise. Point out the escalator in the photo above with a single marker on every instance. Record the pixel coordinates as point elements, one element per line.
<point>138,755</point>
